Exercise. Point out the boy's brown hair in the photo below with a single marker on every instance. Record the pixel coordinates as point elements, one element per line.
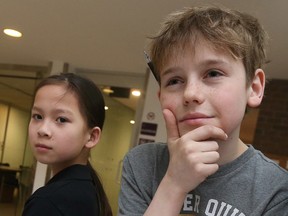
<point>238,33</point>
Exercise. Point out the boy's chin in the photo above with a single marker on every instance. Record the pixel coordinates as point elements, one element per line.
<point>184,131</point>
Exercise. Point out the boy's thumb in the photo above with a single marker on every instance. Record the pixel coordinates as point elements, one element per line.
<point>171,125</point>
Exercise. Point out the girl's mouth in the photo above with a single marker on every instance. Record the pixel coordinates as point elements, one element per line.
<point>42,147</point>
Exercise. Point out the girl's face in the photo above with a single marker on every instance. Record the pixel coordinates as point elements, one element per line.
<point>58,133</point>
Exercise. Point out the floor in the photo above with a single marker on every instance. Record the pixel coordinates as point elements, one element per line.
<point>7,209</point>
<point>12,208</point>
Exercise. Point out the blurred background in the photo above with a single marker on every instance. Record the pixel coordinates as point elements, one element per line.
<point>104,41</point>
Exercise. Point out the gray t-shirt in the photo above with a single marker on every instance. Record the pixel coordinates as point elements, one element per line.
<point>251,185</point>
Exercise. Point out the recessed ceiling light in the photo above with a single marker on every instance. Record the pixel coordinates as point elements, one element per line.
<point>12,33</point>
<point>107,90</point>
<point>106,107</point>
<point>136,93</point>
<point>132,122</point>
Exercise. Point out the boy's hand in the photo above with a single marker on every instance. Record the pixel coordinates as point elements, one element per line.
<point>194,156</point>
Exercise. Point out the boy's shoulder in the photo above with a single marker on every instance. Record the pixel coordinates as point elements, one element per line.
<point>148,147</point>
<point>148,151</point>
<point>253,163</point>
<point>262,169</point>
<point>269,165</point>
<point>151,156</point>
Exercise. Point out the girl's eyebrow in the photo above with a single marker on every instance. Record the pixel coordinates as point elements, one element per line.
<point>35,108</point>
<point>56,111</point>
<point>64,111</point>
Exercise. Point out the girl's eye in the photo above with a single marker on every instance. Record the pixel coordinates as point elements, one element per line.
<point>61,120</point>
<point>37,116</point>
<point>213,73</point>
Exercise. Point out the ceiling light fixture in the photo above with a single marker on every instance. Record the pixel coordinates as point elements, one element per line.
<point>107,90</point>
<point>12,33</point>
<point>136,93</point>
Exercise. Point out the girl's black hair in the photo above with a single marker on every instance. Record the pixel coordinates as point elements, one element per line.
<point>91,103</point>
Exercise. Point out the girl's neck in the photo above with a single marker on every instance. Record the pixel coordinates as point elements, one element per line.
<point>56,168</point>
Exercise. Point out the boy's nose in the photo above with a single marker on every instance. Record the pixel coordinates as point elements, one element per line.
<point>193,94</point>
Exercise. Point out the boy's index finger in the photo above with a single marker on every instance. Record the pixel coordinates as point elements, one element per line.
<point>171,125</point>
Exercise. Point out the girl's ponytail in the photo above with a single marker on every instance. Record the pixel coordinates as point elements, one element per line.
<point>105,209</point>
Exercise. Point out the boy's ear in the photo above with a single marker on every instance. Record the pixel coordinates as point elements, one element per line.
<point>256,89</point>
<point>94,138</point>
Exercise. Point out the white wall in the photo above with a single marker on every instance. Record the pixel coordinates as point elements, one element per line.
<point>152,108</point>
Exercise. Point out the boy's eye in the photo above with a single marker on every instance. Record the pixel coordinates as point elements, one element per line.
<point>213,73</point>
<point>61,120</point>
<point>37,116</point>
<point>173,81</point>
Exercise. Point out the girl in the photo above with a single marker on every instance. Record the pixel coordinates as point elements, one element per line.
<point>66,122</point>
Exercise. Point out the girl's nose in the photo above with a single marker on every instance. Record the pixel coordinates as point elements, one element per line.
<point>44,130</point>
<point>193,94</point>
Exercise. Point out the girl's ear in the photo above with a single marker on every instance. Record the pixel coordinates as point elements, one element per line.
<point>256,89</point>
<point>94,138</point>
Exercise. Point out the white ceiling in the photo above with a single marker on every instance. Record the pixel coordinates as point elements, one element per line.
<point>110,35</point>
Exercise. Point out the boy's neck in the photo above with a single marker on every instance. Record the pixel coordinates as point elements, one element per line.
<point>230,150</point>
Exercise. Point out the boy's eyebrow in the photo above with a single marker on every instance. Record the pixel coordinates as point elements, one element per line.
<point>170,70</point>
<point>207,62</point>
<point>214,61</point>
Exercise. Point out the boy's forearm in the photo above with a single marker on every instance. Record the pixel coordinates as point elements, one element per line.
<point>167,200</point>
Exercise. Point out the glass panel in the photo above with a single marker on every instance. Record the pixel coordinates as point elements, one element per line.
<point>107,156</point>
<point>16,135</point>
<point>16,93</point>
<point>3,123</point>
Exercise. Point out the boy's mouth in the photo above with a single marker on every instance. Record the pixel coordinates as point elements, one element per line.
<point>194,116</point>
<point>195,119</point>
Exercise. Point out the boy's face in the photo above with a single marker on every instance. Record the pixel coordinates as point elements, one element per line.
<point>205,86</point>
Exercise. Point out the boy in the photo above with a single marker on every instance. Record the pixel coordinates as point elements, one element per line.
<point>208,63</point>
